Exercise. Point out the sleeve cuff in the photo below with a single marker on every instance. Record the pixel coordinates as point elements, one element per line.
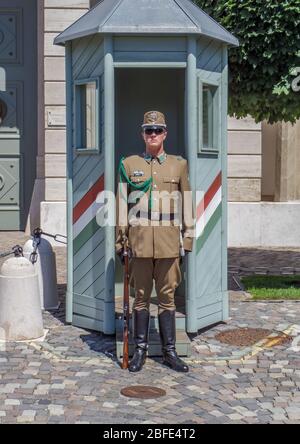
<point>188,243</point>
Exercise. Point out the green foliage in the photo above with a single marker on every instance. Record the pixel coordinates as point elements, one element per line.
<point>262,69</point>
<point>272,287</point>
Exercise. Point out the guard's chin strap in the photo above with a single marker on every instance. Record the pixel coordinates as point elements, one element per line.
<point>144,188</point>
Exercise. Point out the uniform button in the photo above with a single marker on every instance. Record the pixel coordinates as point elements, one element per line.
<point>153,161</point>
<point>154,172</point>
<point>155,186</point>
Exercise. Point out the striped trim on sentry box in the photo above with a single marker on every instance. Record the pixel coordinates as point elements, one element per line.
<point>84,215</point>
<point>209,211</point>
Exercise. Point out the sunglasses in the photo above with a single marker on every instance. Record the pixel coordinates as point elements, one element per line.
<point>157,131</point>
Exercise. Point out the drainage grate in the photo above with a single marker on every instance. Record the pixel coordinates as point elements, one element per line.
<point>243,336</point>
<point>143,392</point>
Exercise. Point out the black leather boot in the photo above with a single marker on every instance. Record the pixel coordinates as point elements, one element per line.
<point>167,330</point>
<point>140,335</point>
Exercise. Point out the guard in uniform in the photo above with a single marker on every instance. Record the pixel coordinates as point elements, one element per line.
<point>158,231</point>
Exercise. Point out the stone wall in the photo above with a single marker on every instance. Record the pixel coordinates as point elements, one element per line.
<point>48,203</point>
<point>244,160</point>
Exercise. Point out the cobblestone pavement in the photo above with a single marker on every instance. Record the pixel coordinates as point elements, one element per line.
<point>73,376</point>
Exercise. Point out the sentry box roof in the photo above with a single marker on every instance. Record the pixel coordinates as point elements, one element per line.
<point>146,17</point>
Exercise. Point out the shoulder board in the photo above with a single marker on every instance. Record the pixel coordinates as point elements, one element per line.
<point>130,158</point>
<point>133,156</point>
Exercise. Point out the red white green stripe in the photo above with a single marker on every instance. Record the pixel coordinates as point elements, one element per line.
<point>84,215</point>
<point>209,211</point>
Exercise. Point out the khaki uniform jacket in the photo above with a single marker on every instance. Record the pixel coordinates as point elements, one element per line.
<point>156,233</point>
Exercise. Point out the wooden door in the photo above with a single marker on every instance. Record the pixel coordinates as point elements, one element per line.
<point>18,103</point>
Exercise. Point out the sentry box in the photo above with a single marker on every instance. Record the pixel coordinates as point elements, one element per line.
<point>122,59</point>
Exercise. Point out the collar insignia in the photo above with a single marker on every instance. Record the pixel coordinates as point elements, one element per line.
<point>161,158</point>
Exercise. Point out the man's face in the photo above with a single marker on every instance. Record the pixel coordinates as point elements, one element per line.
<point>154,137</point>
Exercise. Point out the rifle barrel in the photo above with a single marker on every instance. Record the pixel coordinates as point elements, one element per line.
<point>126,313</point>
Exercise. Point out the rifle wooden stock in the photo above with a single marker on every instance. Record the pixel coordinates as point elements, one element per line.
<point>126,311</point>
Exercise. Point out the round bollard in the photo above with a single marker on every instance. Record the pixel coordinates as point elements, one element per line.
<point>46,270</point>
<point>20,307</point>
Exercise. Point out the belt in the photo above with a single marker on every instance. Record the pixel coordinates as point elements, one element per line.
<point>157,216</point>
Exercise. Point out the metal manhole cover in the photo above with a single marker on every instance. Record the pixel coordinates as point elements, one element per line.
<point>143,392</point>
<point>243,336</point>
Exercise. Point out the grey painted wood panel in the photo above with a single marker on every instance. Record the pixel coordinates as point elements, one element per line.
<point>211,319</point>
<point>79,46</point>
<point>92,65</point>
<point>212,283</point>
<point>208,76</point>
<point>86,170</point>
<point>210,259</point>
<point>91,53</point>
<point>210,309</point>
<point>91,258</point>
<point>212,66</point>
<point>89,262</point>
<point>88,248</point>
<point>150,57</point>
<point>85,322</point>
<point>209,56</point>
<point>90,312</point>
<point>87,281</point>
<point>78,162</point>
<point>207,171</point>
<point>224,138</point>
<point>97,72</point>
<point>85,185</point>
<point>150,44</point>
<point>97,287</point>
<point>88,301</point>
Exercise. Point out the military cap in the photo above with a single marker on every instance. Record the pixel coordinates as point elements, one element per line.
<point>154,118</point>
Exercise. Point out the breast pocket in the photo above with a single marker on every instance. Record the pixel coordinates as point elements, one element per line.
<point>138,194</point>
<point>171,183</point>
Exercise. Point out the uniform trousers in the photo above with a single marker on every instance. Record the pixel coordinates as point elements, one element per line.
<point>167,276</point>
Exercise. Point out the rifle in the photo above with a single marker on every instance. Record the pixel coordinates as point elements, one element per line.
<point>126,311</point>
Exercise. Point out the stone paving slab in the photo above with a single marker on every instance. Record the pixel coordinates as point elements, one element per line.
<point>74,376</point>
